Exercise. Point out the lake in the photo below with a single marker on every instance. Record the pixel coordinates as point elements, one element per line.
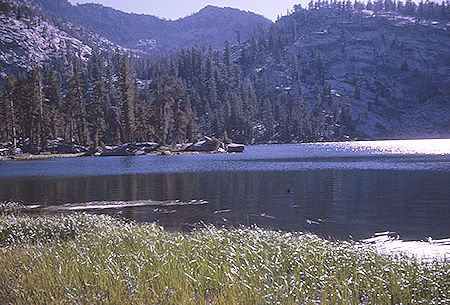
<point>337,190</point>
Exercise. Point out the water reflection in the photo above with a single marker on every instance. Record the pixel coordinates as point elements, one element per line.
<point>335,203</point>
<point>334,189</point>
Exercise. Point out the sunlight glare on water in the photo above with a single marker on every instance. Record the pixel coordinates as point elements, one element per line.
<point>426,146</point>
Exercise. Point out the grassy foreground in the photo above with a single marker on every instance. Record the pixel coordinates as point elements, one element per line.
<point>86,259</point>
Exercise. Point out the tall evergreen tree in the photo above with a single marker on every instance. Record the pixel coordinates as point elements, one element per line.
<point>53,97</point>
<point>8,112</point>
<point>35,134</point>
<point>179,121</point>
<point>268,119</point>
<point>75,109</point>
<point>301,116</point>
<point>294,67</point>
<point>126,101</point>
<point>191,124</point>
<point>321,127</point>
<point>4,113</point>
<point>227,54</point>
<point>284,117</point>
<point>346,115</point>
<point>166,91</point>
<point>97,114</point>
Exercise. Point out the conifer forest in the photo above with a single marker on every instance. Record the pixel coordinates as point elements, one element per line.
<point>118,96</point>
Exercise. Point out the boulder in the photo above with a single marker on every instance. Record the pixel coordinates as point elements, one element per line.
<point>186,146</point>
<point>93,152</point>
<point>233,147</point>
<point>148,146</point>
<point>32,149</point>
<point>71,149</point>
<point>206,145</point>
<point>140,152</point>
<point>118,151</point>
<point>53,145</point>
<point>16,151</point>
<point>130,149</point>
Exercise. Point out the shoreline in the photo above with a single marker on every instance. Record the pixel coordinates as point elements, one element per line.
<point>24,157</point>
<point>27,157</point>
<point>387,243</point>
<point>167,151</point>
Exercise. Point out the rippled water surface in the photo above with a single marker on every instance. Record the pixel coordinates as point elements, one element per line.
<point>334,189</point>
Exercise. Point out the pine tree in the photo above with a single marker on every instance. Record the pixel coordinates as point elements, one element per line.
<point>54,100</point>
<point>262,93</point>
<point>8,113</point>
<point>166,91</point>
<point>227,54</point>
<point>4,113</point>
<point>95,68</point>
<point>321,121</point>
<point>236,121</point>
<point>238,36</point>
<point>126,101</point>
<point>97,113</point>
<point>75,109</point>
<point>346,115</point>
<point>284,117</point>
<point>179,121</point>
<point>301,116</point>
<point>191,124</point>
<point>294,68</point>
<point>336,123</point>
<point>248,113</point>
<point>268,119</point>
<point>36,108</point>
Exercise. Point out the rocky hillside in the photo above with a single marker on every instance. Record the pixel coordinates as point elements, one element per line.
<point>29,37</point>
<point>210,26</point>
<point>394,68</point>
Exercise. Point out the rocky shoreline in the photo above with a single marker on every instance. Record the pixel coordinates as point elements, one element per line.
<point>58,149</point>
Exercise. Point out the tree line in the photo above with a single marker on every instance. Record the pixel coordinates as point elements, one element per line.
<point>171,98</point>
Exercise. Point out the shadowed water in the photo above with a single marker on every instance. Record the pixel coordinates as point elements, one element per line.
<point>334,189</point>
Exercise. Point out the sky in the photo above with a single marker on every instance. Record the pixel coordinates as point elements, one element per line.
<point>174,9</point>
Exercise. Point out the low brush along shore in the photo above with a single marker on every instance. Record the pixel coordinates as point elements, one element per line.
<point>88,259</point>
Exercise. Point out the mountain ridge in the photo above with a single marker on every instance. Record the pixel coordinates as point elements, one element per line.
<point>128,29</point>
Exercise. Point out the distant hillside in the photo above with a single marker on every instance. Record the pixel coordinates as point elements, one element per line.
<point>393,67</point>
<point>29,37</point>
<point>210,26</point>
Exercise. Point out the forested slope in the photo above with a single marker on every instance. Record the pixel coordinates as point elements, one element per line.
<point>330,72</point>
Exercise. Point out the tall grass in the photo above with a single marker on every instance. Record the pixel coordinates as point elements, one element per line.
<point>86,259</point>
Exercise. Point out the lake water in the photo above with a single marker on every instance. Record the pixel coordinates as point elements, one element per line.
<point>338,190</point>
